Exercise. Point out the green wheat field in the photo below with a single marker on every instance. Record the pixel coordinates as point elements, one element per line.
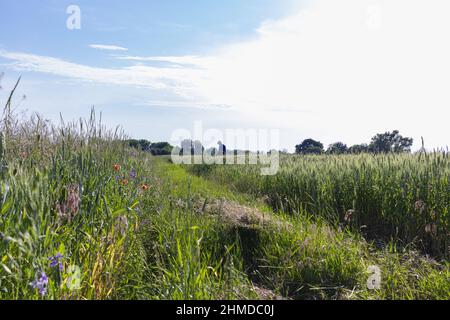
<point>85,216</point>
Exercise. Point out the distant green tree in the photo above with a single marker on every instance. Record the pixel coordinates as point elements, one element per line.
<point>133,143</point>
<point>160,149</point>
<point>145,144</point>
<point>390,142</point>
<point>309,146</point>
<point>156,149</point>
<point>198,147</point>
<point>359,148</point>
<point>192,147</point>
<point>337,148</point>
<point>187,147</point>
<point>142,144</point>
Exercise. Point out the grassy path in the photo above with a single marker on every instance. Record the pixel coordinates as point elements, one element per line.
<point>292,257</point>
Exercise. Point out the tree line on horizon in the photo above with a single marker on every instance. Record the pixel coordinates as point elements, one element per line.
<point>155,148</point>
<point>388,142</point>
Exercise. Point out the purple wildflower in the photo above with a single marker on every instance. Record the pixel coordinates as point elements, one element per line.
<point>41,284</point>
<point>56,260</point>
<point>133,174</point>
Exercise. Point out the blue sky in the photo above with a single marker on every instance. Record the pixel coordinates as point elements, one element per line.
<point>147,27</point>
<point>308,68</point>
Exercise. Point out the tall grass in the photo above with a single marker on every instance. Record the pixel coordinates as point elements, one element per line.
<point>403,197</point>
<point>83,216</point>
<point>60,201</point>
<point>304,257</point>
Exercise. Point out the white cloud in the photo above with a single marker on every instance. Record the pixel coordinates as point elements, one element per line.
<point>143,76</point>
<point>185,104</point>
<point>357,66</point>
<point>186,60</point>
<point>107,47</point>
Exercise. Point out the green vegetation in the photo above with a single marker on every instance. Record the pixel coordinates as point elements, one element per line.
<point>399,197</point>
<point>85,216</point>
<point>388,142</point>
<point>139,227</point>
<point>298,256</point>
<point>156,148</point>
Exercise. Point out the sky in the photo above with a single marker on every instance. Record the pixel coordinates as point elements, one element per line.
<point>329,70</point>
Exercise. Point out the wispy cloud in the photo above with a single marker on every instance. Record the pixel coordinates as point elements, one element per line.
<point>142,76</point>
<point>181,82</point>
<point>107,47</point>
<point>184,60</point>
<point>185,105</point>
